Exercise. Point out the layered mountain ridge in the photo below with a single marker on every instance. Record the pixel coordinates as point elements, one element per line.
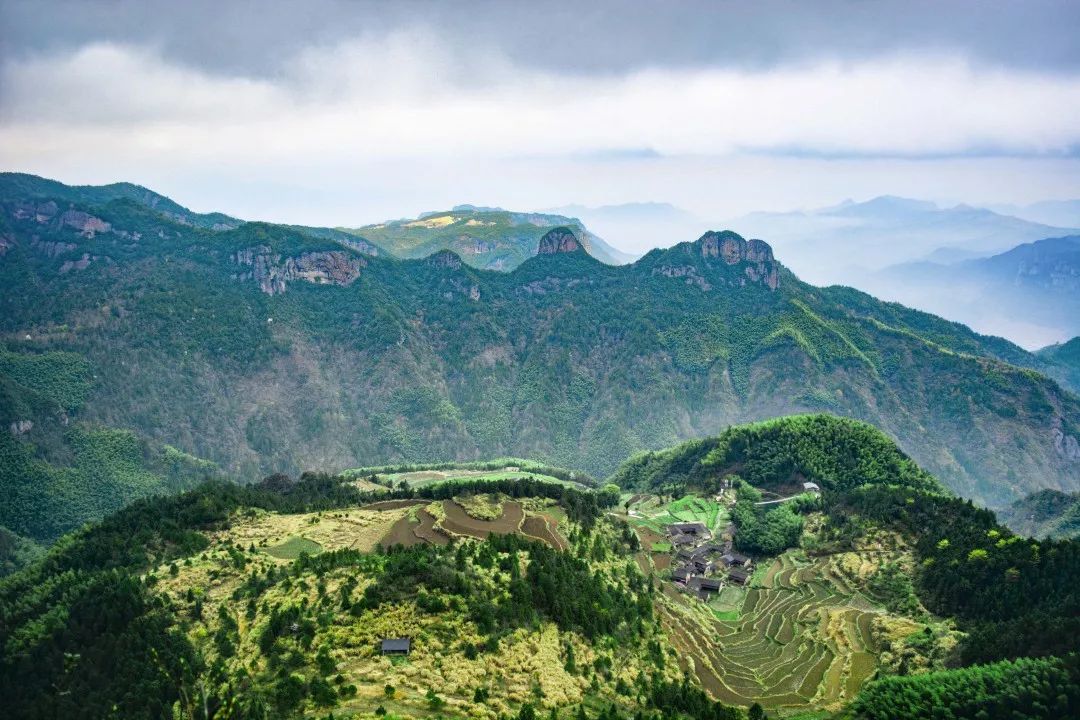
<point>267,348</point>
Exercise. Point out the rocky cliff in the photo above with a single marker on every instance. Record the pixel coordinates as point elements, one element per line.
<point>273,272</point>
<point>558,240</point>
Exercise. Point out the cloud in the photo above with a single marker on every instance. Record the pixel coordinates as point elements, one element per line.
<point>407,95</point>
<point>596,38</point>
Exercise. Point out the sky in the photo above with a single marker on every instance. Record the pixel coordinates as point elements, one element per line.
<point>346,113</point>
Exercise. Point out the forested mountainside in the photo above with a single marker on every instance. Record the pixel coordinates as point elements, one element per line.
<point>57,472</point>
<point>1046,513</point>
<point>504,596</point>
<point>1064,360</point>
<point>489,238</point>
<point>264,348</point>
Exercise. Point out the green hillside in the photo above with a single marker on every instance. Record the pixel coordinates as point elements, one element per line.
<point>1046,513</point>
<point>835,453</point>
<point>266,349</point>
<point>491,239</point>
<point>1064,362</point>
<point>58,472</point>
<point>522,598</point>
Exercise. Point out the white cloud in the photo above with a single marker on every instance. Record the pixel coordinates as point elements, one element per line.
<point>390,125</point>
<point>406,95</point>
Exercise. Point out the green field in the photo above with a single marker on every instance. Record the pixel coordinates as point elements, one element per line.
<point>651,512</point>
<point>293,548</point>
<point>418,476</point>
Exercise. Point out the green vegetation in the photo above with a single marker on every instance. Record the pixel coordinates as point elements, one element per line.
<point>649,511</point>
<point>836,453</point>
<point>1016,690</point>
<point>420,474</point>
<point>1046,513</point>
<point>56,475</point>
<point>484,238</point>
<point>293,548</point>
<point>564,359</point>
<point>766,529</point>
<point>301,637</point>
<point>1014,596</point>
<point>1064,362</point>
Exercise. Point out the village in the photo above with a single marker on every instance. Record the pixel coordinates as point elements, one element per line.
<point>702,564</point>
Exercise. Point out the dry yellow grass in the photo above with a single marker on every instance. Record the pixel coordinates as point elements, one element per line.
<point>484,506</point>
<point>350,528</point>
<point>433,222</point>
<point>526,666</point>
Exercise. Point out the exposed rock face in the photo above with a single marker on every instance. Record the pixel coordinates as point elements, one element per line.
<point>51,248</point>
<point>445,259</point>
<point>558,240</point>
<point>80,264</point>
<point>85,223</point>
<point>693,277</point>
<point>38,212</point>
<point>44,212</point>
<point>273,272</point>
<point>734,249</point>
<point>7,241</point>
<point>1065,445</point>
<point>21,426</point>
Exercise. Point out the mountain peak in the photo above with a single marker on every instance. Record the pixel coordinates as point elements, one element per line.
<point>733,248</point>
<point>559,240</point>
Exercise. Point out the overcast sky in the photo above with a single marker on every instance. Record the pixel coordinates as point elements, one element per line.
<point>351,112</point>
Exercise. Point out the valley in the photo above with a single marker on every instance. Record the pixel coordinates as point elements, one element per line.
<point>262,348</point>
<point>763,568</point>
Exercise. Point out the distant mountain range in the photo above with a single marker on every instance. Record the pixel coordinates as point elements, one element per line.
<point>264,348</point>
<point>1030,293</point>
<point>841,244</point>
<point>1063,213</point>
<point>484,237</point>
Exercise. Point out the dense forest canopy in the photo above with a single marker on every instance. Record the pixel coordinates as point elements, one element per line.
<point>836,453</point>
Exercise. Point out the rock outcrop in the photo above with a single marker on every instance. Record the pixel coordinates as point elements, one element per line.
<point>733,249</point>
<point>85,223</point>
<point>19,427</point>
<point>558,240</point>
<point>1065,445</point>
<point>273,272</point>
<point>81,264</point>
<point>445,259</point>
<point>693,277</point>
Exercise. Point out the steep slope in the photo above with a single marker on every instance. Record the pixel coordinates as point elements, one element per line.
<point>835,453</point>
<point>1064,362</point>
<point>637,227</point>
<point>1047,513</point>
<point>58,472</point>
<point>266,349</point>
<point>1030,293</point>
<point>21,186</point>
<point>488,238</point>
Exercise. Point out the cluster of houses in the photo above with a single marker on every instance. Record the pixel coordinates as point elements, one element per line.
<point>701,564</point>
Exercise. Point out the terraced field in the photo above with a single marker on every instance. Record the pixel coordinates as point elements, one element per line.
<point>648,511</point>
<point>440,522</point>
<point>801,640</point>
